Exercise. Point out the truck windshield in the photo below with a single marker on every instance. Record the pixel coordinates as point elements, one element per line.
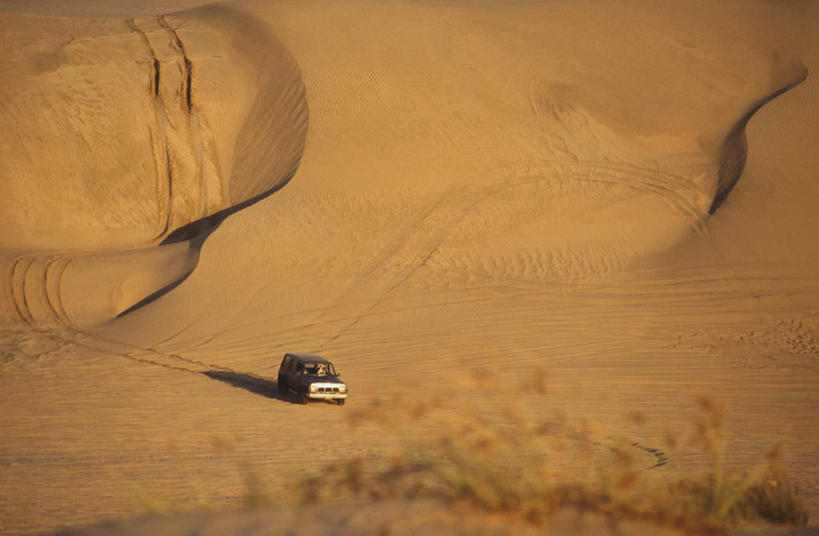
<point>320,369</point>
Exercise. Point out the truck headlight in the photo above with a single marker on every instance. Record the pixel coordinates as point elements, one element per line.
<point>342,388</point>
<point>313,388</point>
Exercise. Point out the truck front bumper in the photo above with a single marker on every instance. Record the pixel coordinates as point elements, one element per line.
<point>327,396</point>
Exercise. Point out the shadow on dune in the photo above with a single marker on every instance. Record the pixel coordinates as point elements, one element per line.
<point>195,233</point>
<point>787,73</point>
<point>195,237</point>
<point>202,228</point>
<point>249,382</point>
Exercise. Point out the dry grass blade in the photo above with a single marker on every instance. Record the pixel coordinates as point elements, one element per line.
<point>500,456</point>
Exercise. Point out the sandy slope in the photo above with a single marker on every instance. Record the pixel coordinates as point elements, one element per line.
<point>499,185</point>
<point>153,153</point>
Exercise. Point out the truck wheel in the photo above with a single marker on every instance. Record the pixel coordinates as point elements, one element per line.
<point>304,398</point>
<point>282,387</point>
<point>341,401</point>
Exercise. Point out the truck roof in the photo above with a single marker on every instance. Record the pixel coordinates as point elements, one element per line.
<point>308,358</point>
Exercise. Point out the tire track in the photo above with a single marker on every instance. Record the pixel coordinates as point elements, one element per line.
<point>666,185</point>
<point>190,120</point>
<point>390,251</point>
<point>171,122</point>
<point>15,282</point>
<point>184,63</point>
<point>54,303</point>
<point>660,457</point>
<point>30,276</point>
<point>457,203</point>
<point>192,130</point>
<point>423,234</point>
<point>159,137</point>
<point>202,145</point>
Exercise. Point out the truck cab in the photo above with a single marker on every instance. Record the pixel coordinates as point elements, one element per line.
<point>310,377</point>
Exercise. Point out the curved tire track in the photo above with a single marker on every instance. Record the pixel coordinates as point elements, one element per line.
<point>159,137</point>
<point>39,276</point>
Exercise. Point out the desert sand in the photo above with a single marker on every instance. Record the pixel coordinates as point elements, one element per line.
<point>623,194</point>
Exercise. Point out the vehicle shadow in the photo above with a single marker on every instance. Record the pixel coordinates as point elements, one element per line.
<point>249,382</point>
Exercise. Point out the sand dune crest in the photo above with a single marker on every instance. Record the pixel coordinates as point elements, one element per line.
<point>212,115</point>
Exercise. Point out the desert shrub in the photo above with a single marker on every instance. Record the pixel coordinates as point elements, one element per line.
<point>491,452</point>
<point>723,498</point>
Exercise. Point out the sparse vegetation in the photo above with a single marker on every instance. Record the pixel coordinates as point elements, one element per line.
<point>500,456</point>
<point>722,498</point>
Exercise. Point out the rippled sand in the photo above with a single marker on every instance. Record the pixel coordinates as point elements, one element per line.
<point>624,195</point>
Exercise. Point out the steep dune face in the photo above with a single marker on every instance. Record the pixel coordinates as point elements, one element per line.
<point>131,134</point>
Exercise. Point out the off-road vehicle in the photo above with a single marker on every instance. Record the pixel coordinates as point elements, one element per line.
<point>310,377</point>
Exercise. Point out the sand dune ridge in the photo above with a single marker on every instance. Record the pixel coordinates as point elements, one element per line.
<point>201,175</point>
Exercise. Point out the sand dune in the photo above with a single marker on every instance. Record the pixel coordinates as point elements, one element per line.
<point>130,161</point>
<point>623,194</point>
<point>570,165</point>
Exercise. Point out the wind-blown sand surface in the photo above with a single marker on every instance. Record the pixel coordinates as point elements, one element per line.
<point>411,189</point>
